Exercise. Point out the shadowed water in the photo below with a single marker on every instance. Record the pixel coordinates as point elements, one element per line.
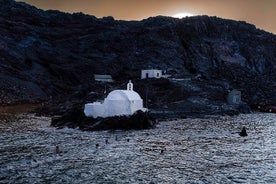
<point>207,150</point>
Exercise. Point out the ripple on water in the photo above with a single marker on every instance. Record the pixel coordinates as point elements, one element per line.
<point>181,151</point>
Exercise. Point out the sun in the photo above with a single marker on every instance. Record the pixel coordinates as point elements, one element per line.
<point>182,15</point>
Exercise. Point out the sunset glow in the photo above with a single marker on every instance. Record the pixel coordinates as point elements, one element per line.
<point>182,15</point>
<point>259,13</point>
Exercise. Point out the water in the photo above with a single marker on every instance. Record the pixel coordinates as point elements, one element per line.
<point>194,151</point>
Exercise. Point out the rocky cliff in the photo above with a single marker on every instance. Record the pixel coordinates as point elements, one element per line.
<point>53,55</point>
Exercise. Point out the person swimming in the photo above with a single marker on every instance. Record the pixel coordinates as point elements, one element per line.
<point>243,133</point>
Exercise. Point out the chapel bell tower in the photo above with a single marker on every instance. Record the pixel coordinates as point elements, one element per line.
<point>130,86</point>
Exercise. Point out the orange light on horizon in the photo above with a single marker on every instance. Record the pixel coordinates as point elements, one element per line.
<point>183,15</point>
<point>259,13</point>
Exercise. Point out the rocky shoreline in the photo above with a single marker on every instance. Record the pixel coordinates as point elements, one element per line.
<point>73,117</point>
<point>77,119</point>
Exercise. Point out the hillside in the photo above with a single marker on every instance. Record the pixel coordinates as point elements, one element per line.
<point>53,56</point>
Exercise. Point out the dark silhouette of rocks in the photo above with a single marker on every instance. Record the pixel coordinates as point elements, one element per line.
<point>243,133</point>
<point>76,119</point>
<point>51,57</point>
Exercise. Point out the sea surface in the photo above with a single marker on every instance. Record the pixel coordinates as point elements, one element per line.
<point>207,150</point>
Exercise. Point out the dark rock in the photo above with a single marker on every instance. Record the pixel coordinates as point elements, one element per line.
<point>50,57</point>
<point>244,108</point>
<point>75,118</point>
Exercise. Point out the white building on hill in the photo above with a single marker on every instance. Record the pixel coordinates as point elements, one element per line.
<point>151,73</point>
<point>103,78</point>
<point>118,102</point>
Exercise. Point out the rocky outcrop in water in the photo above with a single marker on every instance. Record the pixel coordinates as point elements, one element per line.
<point>52,56</point>
<point>75,118</point>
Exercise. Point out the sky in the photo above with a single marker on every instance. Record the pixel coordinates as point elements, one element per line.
<point>261,13</point>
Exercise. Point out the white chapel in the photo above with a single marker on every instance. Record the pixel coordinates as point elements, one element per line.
<point>118,102</point>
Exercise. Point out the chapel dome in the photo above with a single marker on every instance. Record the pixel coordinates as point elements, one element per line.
<point>123,95</point>
<point>117,103</point>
